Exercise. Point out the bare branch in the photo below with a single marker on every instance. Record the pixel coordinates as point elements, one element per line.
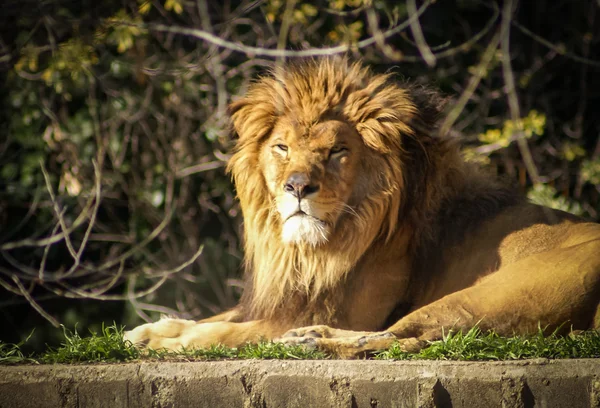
<point>556,48</point>
<point>280,53</point>
<point>58,212</point>
<point>480,71</point>
<point>42,268</point>
<point>511,93</point>
<point>415,27</point>
<point>34,304</point>
<point>92,222</point>
<point>53,238</point>
<point>183,265</point>
<point>200,168</point>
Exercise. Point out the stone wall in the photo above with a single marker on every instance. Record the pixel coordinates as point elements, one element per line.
<point>284,383</point>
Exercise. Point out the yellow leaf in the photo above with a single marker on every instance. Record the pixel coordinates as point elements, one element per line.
<point>299,17</point>
<point>337,4</point>
<point>33,64</point>
<point>144,6</point>
<point>174,5</point>
<point>47,76</point>
<point>354,3</point>
<point>19,64</point>
<point>309,10</point>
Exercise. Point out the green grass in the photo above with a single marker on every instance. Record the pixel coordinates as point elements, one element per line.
<point>262,351</point>
<point>108,346</point>
<point>477,346</point>
<point>12,354</point>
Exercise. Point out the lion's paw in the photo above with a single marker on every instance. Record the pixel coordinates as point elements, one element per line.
<point>412,344</point>
<point>343,343</point>
<point>320,331</point>
<point>164,334</point>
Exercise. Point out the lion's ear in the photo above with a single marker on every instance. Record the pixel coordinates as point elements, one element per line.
<point>382,112</point>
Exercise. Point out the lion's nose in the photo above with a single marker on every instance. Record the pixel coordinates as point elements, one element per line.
<point>299,185</point>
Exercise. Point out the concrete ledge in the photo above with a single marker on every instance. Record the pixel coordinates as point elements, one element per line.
<point>278,383</point>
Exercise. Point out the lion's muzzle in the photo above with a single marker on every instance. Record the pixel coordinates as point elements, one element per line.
<point>299,185</point>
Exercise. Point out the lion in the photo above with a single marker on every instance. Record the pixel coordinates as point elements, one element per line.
<point>363,227</point>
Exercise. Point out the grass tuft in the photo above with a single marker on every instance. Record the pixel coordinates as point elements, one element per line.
<point>12,354</point>
<point>108,346</point>
<point>279,351</point>
<point>214,352</point>
<point>476,345</point>
<point>262,350</point>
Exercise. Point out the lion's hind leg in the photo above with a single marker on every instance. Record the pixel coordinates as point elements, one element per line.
<point>556,288</point>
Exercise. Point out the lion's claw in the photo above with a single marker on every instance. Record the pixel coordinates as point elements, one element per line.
<point>308,342</point>
<point>313,334</point>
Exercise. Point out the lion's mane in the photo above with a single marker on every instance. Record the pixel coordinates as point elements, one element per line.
<point>394,120</point>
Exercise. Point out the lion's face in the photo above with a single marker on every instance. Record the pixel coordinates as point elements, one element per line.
<point>318,160</point>
<point>311,173</point>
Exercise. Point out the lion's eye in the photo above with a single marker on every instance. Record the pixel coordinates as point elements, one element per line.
<point>281,147</point>
<point>337,151</point>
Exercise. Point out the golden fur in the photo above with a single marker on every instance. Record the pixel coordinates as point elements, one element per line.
<point>359,220</point>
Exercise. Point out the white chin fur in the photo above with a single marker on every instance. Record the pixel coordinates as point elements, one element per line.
<point>304,229</point>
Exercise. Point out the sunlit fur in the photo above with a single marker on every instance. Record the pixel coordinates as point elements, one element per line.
<point>383,114</point>
<point>303,229</point>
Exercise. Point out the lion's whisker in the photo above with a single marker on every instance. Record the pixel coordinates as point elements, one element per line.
<point>349,210</point>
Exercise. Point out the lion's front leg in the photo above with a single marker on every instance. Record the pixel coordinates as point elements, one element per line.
<point>175,334</point>
<point>346,343</point>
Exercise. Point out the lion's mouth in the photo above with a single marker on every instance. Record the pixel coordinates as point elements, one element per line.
<point>298,213</point>
<point>301,213</point>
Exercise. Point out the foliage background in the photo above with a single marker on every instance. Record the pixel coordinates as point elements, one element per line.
<point>114,135</point>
